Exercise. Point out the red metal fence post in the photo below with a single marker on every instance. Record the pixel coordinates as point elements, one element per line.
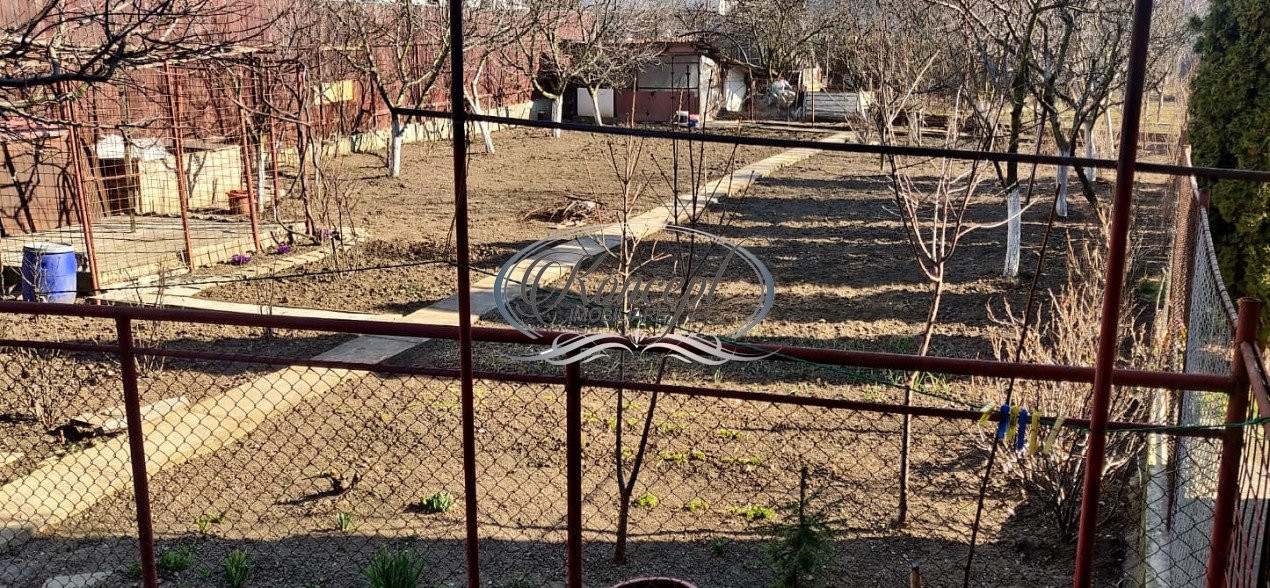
<point>178,153</point>
<point>1232,448</point>
<point>78,182</point>
<point>1108,332</point>
<point>137,450</point>
<point>248,170</point>
<point>458,134</point>
<point>573,444</point>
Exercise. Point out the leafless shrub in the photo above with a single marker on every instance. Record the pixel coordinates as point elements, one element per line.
<point>1065,332</point>
<point>45,385</point>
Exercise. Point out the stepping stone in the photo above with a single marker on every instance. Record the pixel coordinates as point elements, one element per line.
<point>77,580</point>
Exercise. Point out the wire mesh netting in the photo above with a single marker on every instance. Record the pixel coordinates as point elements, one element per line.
<point>1181,474</point>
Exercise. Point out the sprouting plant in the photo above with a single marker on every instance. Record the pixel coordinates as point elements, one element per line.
<point>237,568</point>
<point>134,569</point>
<point>731,434</point>
<point>648,501</point>
<point>697,505</point>
<point>802,547</point>
<point>205,572</point>
<point>176,559</point>
<point>206,520</point>
<point>755,512</point>
<point>719,545</point>
<point>681,457</point>
<point>394,569</point>
<point>668,427</point>
<point>437,503</point>
<point>344,521</point>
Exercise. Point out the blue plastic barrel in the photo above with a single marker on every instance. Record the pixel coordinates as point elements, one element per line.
<point>48,272</point>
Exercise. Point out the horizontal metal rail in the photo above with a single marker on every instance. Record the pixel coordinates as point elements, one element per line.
<point>877,407</point>
<point>835,357</point>
<point>1170,169</point>
<point>559,380</point>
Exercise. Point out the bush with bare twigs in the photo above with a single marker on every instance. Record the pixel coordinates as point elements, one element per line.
<point>1065,332</point>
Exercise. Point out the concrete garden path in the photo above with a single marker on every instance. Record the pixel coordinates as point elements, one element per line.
<point>72,484</point>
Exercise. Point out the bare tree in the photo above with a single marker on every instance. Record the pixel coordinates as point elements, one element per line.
<point>933,213</point>
<point>595,44</point>
<point>400,47</point>
<point>55,42</point>
<point>779,35</point>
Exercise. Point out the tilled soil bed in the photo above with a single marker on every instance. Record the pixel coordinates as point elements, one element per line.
<point>514,199</point>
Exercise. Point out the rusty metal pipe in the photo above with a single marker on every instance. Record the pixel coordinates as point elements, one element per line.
<point>1231,449</point>
<point>1109,330</point>
<point>862,359</point>
<point>137,452</point>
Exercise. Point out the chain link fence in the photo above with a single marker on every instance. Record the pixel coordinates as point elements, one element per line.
<point>308,468</point>
<point>1180,477</point>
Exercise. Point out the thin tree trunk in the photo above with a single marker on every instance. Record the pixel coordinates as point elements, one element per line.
<point>1091,149</point>
<point>557,113</point>
<point>595,105</point>
<point>1014,232</point>
<point>1060,203</point>
<point>396,133</point>
<point>906,434</point>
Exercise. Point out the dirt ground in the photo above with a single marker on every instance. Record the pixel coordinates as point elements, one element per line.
<point>410,218</point>
<point>399,439</point>
<point>844,280</point>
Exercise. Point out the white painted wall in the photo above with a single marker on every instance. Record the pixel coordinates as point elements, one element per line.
<point>734,90</point>
<point>587,109</point>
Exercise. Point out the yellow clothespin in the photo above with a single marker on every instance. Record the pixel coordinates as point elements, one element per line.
<point>1053,434</point>
<point>1034,435</point>
<point>1013,429</point>
<point>986,412</point>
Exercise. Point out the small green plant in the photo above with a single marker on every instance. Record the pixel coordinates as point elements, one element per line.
<point>755,512</point>
<point>731,434</point>
<point>802,547</point>
<point>176,559</point>
<point>206,520</point>
<point>394,569</point>
<point>205,573</point>
<point>437,503</point>
<point>697,505</point>
<point>345,521</point>
<point>237,568</point>
<point>668,428</point>
<point>134,569</point>
<point>719,545</point>
<point>648,501</point>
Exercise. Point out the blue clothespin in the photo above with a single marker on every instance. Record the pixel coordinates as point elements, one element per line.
<point>1004,422</point>
<point>1020,439</point>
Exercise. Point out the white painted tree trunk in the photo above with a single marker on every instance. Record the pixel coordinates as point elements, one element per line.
<point>260,172</point>
<point>1060,203</point>
<point>483,126</point>
<point>595,106</point>
<point>1090,149</point>
<point>557,113</point>
<point>1111,134</point>
<point>397,132</point>
<point>1014,233</point>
